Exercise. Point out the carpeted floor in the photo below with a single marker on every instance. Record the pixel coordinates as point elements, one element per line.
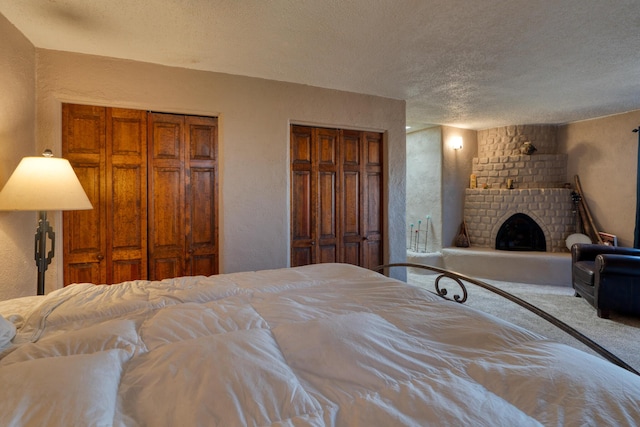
<point>619,334</point>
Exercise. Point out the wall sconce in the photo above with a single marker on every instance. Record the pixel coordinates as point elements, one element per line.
<point>456,143</point>
<point>43,184</point>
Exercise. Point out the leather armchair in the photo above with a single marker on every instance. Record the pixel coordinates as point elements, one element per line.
<point>608,277</point>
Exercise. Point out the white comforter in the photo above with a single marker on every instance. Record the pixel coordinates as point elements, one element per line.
<point>310,346</point>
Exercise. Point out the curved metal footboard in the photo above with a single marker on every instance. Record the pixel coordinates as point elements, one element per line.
<point>460,278</point>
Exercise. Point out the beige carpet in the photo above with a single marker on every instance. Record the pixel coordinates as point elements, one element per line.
<point>620,334</point>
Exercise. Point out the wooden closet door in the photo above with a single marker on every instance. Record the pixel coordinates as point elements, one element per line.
<point>202,196</point>
<point>336,187</point>
<point>85,232</point>
<point>153,181</point>
<point>361,184</point>
<point>166,190</point>
<point>372,200</point>
<point>183,196</point>
<point>361,196</point>
<point>314,174</point>
<point>303,196</point>
<point>107,149</point>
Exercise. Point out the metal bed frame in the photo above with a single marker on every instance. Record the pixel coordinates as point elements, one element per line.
<point>460,278</point>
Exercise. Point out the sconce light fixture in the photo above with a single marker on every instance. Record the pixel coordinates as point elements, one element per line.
<point>43,184</point>
<point>456,143</point>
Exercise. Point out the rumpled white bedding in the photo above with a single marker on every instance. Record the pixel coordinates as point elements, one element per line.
<point>328,344</point>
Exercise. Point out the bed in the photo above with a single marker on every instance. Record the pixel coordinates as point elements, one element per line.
<point>321,345</point>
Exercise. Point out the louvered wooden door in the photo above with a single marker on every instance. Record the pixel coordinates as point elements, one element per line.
<point>336,214</point>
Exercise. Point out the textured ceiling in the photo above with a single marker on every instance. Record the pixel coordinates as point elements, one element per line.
<point>470,64</point>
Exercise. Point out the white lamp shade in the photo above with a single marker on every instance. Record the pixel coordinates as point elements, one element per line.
<point>43,184</point>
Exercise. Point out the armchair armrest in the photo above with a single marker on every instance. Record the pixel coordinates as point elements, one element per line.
<point>589,251</point>
<point>617,264</point>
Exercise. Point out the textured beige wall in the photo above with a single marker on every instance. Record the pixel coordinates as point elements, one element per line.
<point>17,124</point>
<point>424,184</point>
<point>456,169</point>
<point>254,140</point>
<point>437,177</point>
<point>604,152</point>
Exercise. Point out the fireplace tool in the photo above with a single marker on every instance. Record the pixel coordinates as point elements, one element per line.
<point>426,233</point>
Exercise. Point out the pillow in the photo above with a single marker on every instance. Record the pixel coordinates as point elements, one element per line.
<point>7,332</point>
<point>61,391</point>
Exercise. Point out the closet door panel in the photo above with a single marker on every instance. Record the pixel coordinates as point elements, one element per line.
<point>166,196</point>
<point>202,215</point>
<point>128,182</point>
<point>350,148</point>
<point>301,218</point>
<point>183,195</point>
<point>128,217</point>
<point>83,227</point>
<point>82,272</point>
<point>351,218</point>
<point>326,222</point>
<point>202,138</point>
<point>166,219</point>
<point>124,270</point>
<point>167,137</point>
<point>204,265</point>
<point>303,196</point>
<point>202,196</point>
<point>128,135</point>
<point>127,191</point>
<point>85,232</point>
<point>328,148</point>
<point>164,268</point>
<point>373,205</point>
<point>202,252</point>
<point>83,130</point>
<point>351,204</point>
<point>301,146</point>
<point>327,202</point>
<point>352,210</point>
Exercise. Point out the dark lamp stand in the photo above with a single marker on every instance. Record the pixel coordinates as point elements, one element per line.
<point>42,257</point>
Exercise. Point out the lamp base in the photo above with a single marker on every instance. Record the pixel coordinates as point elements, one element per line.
<point>42,257</point>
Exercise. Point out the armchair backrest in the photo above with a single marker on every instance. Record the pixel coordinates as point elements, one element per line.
<point>589,251</point>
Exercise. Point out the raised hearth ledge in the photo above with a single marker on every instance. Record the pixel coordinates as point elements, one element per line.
<point>544,268</point>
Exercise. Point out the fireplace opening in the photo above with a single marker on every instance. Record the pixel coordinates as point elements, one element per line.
<point>520,233</point>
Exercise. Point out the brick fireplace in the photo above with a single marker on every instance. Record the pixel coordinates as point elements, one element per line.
<point>537,180</point>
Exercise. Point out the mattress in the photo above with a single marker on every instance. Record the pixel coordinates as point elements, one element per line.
<point>321,345</point>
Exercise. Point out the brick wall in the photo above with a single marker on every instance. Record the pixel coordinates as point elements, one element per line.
<point>499,158</point>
